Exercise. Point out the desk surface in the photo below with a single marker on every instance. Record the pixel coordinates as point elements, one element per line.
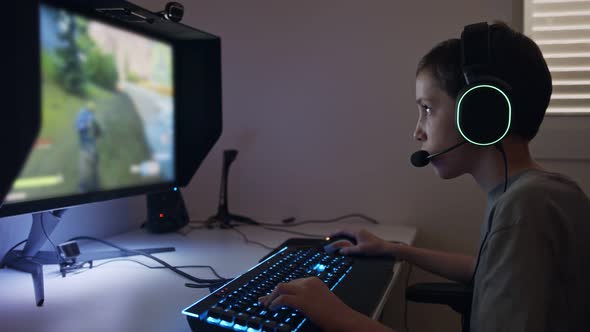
<point>125,296</point>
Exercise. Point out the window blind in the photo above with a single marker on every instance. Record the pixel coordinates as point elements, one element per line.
<point>561,28</point>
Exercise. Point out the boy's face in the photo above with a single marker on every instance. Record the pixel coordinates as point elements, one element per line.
<point>436,128</point>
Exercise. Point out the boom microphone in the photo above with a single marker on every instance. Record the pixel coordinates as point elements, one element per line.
<point>422,158</point>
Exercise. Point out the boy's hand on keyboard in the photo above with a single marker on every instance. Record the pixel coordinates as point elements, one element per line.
<point>314,299</point>
<point>368,244</point>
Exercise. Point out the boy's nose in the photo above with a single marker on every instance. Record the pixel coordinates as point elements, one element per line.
<point>419,134</point>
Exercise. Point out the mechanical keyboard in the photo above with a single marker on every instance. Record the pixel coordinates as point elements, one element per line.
<point>359,281</point>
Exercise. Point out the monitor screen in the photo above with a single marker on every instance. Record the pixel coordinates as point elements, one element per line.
<point>107,110</point>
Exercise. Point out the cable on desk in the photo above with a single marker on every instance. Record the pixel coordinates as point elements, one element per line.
<point>172,268</point>
<point>46,236</point>
<point>274,230</point>
<point>20,256</point>
<point>157,267</point>
<point>211,287</point>
<point>16,245</point>
<point>289,223</point>
<point>250,241</point>
<point>31,258</point>
<point>293,232</point>
<point>201,224</point>
<point>278,227</point>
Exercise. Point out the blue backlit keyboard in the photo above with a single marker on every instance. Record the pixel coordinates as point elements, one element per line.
<point>235,307</point>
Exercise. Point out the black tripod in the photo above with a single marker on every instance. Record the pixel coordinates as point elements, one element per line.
<point>224,218</point>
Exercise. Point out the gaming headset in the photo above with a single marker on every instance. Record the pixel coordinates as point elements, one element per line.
<point>484,107</point>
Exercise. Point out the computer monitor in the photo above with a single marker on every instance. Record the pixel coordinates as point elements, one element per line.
<point>107,104</point>
<point>130,104</point>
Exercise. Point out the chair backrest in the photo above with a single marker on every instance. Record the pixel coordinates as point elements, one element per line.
<point>455,295</point>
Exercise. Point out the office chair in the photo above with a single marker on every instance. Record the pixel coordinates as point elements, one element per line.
<point>457,296</point>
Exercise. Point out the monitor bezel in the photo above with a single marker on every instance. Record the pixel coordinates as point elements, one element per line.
<point>56,203</point>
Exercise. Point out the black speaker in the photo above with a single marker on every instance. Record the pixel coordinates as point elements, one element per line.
<point>165,212</point>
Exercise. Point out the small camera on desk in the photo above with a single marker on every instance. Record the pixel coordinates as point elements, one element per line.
<point>69,252</point>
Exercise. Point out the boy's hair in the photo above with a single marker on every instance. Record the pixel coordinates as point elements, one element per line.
<point>515,59</point>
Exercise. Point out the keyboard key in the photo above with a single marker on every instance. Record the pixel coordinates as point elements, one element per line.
<point>269,326</point>
<point>215,312</point>
<point>228,315</point>
<point>241,319</point>
<point>254,322</point>
<point>283,328</point>
<point>222,292</point>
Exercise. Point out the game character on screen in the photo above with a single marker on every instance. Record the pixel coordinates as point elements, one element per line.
<point>89,131</point>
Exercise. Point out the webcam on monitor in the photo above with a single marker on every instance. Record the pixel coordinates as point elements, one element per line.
<point>173,11</point>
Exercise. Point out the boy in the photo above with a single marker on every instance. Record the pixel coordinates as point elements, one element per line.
<point>533,267</point>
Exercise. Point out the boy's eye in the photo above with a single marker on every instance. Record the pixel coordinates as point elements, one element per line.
<point>426,109</point>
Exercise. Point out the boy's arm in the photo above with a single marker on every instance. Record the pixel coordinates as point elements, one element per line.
<point>456,267</point>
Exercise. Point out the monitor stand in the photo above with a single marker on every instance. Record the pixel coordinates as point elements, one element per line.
<point>31,259</point>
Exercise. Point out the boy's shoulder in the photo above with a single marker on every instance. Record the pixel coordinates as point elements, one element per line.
<point>538,186</point>
<point>536,194</point>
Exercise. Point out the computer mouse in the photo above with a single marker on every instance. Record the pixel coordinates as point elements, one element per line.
<point>332,239</point>
<point>331,249</point>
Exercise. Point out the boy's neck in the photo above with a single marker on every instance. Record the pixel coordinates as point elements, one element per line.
<point>489,172</point>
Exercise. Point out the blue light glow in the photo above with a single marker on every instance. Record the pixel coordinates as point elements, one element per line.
<point>299,326</point>
<point>175,188</point>
<point>339,280</point>
<point>212,320</point>
<point>188,313</point>
<point>226,324</point>
<point>240,327</point>
<point>319,267</point>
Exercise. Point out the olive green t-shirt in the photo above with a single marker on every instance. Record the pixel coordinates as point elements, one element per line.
<point>534,268</point>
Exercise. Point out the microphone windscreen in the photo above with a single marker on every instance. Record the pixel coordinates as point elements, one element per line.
<point>420,158</point>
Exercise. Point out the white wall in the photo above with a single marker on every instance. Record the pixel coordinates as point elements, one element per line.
<point>319,100</point>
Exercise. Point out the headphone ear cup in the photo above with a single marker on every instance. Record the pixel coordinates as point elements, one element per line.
<point>483,111</point>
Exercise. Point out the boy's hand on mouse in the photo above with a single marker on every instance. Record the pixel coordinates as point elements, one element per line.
<point>315,300</point>
<point>368,244</point>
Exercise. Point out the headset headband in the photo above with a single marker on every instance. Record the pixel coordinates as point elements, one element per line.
<point>475,50</point>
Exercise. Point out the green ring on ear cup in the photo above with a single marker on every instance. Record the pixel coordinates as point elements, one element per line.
<point>509,115</point>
